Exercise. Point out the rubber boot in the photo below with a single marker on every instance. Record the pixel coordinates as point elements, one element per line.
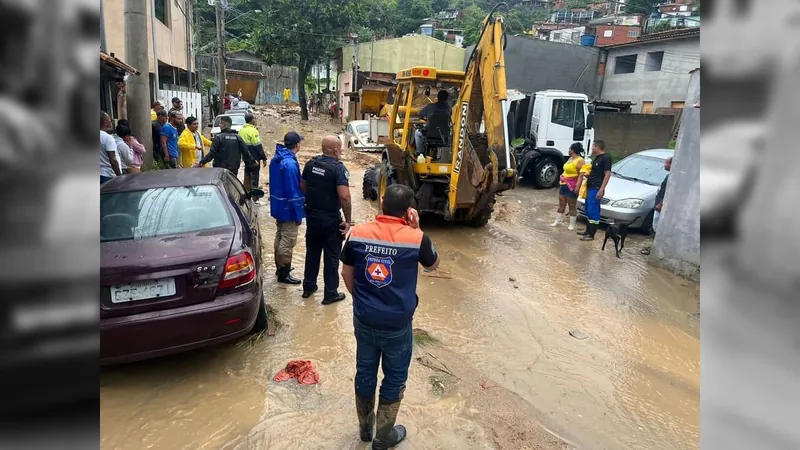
<point>285,277</point>
<point>559,220</point>
<point>572,220</point>
<point>591,229</point>
<point>365,408</point>
<point>387,434</point>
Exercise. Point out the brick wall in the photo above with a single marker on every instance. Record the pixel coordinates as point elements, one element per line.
<point>625,134</point>
<point>620,34</point>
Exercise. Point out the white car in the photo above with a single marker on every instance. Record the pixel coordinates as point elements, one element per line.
<point>631,192</point>
<point>356,137</point>
<point>237,119</point>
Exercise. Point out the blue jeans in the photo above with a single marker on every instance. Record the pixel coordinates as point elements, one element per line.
<point>104,180</point>
<point>592,206</point>
<point>392,349</point>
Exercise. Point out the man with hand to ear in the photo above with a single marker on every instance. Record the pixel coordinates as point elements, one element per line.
<point>380,270</point>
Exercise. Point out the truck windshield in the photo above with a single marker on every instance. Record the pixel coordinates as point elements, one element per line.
<point>644,169</point>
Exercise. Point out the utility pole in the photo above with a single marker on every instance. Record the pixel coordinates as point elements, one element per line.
<point>319,73</point>
<point>138,86</point>
<point>221,85</point>
<point>153,19</point>
<point>103,47</point>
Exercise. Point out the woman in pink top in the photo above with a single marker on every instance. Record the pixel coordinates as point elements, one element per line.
<point>138,151</point>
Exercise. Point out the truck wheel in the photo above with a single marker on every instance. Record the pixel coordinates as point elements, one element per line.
<point>482,217</point>
<point>370,186</point>
<point>545,173</point>
<point>261,316</point>
<point>385,179</point>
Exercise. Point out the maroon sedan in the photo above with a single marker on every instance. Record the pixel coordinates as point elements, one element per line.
<point>180,263</point>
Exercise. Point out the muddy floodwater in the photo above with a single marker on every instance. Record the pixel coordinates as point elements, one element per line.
<point>518,288</point>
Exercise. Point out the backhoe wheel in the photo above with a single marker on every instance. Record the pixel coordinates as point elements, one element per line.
<point>370,186</point>
<point>482,217</point>
<point>545,173</point>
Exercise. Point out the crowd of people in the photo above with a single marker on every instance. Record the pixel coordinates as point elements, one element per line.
<point>588,181</point>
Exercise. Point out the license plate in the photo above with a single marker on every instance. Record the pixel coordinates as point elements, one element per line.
<point>142,290</point>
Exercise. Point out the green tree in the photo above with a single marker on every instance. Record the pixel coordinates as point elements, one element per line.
<point>410,14</point>
<point>301,32</point>
<point>439,35</point>
<point>639,6</point>
<point>440,5</point>
<point>473,24</point>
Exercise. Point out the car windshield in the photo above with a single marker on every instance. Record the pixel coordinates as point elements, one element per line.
<point>237,119</point>
<point>645,169</point>
<point>161,211</point>
<point>363,128</point>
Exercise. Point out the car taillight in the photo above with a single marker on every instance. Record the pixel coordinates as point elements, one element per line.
<point>239,270</point>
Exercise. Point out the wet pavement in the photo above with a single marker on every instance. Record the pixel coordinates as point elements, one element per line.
<point>518,288</point>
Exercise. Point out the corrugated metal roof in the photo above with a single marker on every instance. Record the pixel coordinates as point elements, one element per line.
<point>117,63</point>
<point>663,36</point>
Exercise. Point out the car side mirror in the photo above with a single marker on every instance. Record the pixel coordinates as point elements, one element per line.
<point>256,194</point>
<point>590,120</point>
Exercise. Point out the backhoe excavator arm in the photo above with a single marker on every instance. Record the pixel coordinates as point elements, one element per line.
<point>482,165</point>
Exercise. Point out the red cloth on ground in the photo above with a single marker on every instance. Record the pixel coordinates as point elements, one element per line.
<point>303,370</point>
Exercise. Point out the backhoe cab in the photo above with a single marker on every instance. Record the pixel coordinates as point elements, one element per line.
<point>460,165</point>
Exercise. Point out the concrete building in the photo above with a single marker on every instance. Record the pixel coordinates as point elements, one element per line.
<point>653,71</point>
<point>174,31</point>
<point>536,65</point>
<point>396,54</point>
<point>567,35</point>
<point>677,242</point>
<point>607,35</point>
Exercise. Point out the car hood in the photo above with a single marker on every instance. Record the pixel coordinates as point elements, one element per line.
<point>619,188</point>
<point>216,130</point>
<point>144,254</point>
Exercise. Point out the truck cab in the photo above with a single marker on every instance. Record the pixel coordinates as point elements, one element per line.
<point>552,120</point>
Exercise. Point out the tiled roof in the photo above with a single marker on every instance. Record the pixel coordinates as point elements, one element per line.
<point>244,73</point>
<point>117,63</point>
<point>662,36</point>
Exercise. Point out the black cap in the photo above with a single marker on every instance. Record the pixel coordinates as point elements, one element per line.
<point>175,99</point>
<point>291,139</point>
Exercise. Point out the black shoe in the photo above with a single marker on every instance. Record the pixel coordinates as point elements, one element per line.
<point>591,229</point>
<point>307,294</point>
<point>584,232</point>
<point>339,297</point>
<point>285,278</point>
<point>278,271</point>
<point>365,408</point>
<point>387,434</point>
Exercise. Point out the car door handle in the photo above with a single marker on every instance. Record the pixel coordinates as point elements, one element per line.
<point>551,143</point>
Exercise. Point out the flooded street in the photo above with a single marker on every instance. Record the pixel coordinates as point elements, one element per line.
<point>518,288</point>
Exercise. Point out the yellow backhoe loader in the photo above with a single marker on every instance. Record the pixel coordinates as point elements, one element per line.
<point>464,158</point>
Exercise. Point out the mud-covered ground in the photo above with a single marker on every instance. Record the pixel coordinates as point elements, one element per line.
<point>499,369</point>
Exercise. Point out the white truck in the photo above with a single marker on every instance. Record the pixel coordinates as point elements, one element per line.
<point>550,121</point>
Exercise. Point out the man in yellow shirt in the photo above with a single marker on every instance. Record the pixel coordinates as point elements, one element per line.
<point>191,143</point>
<point>287,94</point>
<point>156,106</point>
<point>252,139</point>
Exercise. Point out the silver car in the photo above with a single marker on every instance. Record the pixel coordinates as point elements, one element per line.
<point>356,137</point>
<point>631,192</point>
<point>237,119</point>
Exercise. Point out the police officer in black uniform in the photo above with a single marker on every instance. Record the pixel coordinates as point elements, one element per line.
<point>325,184</point>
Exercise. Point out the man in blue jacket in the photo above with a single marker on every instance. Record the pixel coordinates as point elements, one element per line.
<point>286,203</point>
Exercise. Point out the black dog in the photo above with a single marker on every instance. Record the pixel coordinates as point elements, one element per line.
<point>617,232</point>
